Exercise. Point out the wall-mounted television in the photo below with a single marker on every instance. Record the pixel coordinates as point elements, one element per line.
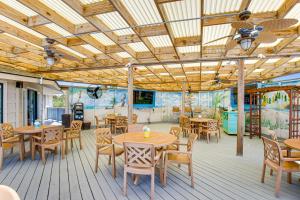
<point>143,98</point>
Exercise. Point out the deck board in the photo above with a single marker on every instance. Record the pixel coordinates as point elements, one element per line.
<point>219,174</point>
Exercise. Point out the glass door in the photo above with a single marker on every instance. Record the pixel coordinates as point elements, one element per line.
<point>1,102</point>
<point>31,106</point>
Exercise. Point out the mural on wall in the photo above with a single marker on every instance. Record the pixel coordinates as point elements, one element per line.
<point>275,113</point>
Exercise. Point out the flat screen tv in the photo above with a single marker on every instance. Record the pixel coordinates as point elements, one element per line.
<point>143,97</point>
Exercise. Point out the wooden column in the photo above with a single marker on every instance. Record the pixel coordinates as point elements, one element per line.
<point>130,92</point>
<point>183,98</point>
<point>241,112</point>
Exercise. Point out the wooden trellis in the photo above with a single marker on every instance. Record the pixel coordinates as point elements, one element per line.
<point>294,109</point>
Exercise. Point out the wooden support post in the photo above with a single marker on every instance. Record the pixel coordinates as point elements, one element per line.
<point>241,114</point>
<point>130,92</point>
<point>183,97</point>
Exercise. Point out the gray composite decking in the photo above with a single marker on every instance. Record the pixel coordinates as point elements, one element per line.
<point>219,174</point>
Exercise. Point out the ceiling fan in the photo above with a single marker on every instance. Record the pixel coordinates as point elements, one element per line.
<point>51,56</point>
<point>247,32</point>
<point>218,81</point>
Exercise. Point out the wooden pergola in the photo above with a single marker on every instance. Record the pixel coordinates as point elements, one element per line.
<point>294,109</point>
<point>163,39</point>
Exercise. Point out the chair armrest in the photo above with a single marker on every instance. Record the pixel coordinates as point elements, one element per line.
<point>178,152</point>
<point>290,159</point>
<point>157,157</point>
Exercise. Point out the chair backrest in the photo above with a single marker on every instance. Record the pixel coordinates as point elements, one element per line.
<point>97,121</point>
<point>52,134</point>
<point>6,130</point>
<point>134,118</point>
<point>192,138</point>
<point>187,109</point>
<point>135,128</point>
<point>176,109</point>
<point>111,115</point>
<point>175,131</point>
<point>197,109</point>
<point>273,135</point>
<point>272,151</point>
<point>121,121</point>
<point>212,125</point>
<point>103,136</point>
<point>139,155</point>
<point>76,125</point>
<point>8,193</point>
<point>186,122</point>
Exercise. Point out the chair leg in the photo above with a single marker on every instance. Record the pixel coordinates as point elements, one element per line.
<point>62,149</point>
<point>43,154</point>
<point>152,184</point>
<point>165,173</point>
<point>80,142</point>
<point>71,143</point>
<point>192,175</point>
<point>190,170</point>
<point>97,160</point>
<point>1,157</point>
<point>161,167</point>
<point>125,183</point>
<point>114,166</point>
<point>12,150</point>
<point>32,151</point>
<point>21,151</point>
<point>278,182</point>
<point>289,177</point>
<point>217,137</point>
<point>271,172</point>
<point>66,144</point>
<point>263,173</point>
<point>207,137</point>
<point>109,160</point>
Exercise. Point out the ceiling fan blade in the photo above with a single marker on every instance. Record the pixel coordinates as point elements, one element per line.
<point>278,24</point>
<point>240,24</point>
<point>231,45</point>
<point>218,39</point>
<point>266,37</point>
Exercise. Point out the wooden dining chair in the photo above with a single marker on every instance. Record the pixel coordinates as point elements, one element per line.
<point>100,123</point>
<point>176,132</point>
<point>274,159</point>
<point>189,127</point>
<point>134,118</point>
<point>121,124</point>
<point>135,128</point>
<point>104,146</point>
<point>73,133</point>
<point>211,128</point>
<point>51,138</point>
<point>181,157</point>
<point>8,140</point>
<point>141,159</point>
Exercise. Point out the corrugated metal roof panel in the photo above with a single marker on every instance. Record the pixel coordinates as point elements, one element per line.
<point>189,49</point>
<point>157,66</point>
<point>173,66</point>
<point>103,39</point>
<point>214,32</point>
<point>19,7</point>
<point>294,13</point>
<point>160,41</point>
<point>272,60</point>
<point>223,6</point>
<point>143,11</point>
<point>71,50</point>
<point>191,65</point>
<point>251,62</point>
<point>186,9</point>
<point>273,44</point>
<point>20,26</point>
<point>65,11</point>
<point>296,59</point>
<point>86,2</point>
<point>259,6</point>
<point>115,21</point>
<point>59,30</point>
<point>209,64</point>
<point>138,47</point>
<point>91,48</point>
<point>123,54</point>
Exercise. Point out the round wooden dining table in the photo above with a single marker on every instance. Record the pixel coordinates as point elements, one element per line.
<point>292,143</point>
<point>157,139</point>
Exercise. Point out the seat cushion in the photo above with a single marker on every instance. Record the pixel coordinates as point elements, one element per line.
<point>178,158</point>
<point>108,150</point>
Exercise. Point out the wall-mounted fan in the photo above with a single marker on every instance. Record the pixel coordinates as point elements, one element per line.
<point>94,92</point>
<point>247,32</point>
